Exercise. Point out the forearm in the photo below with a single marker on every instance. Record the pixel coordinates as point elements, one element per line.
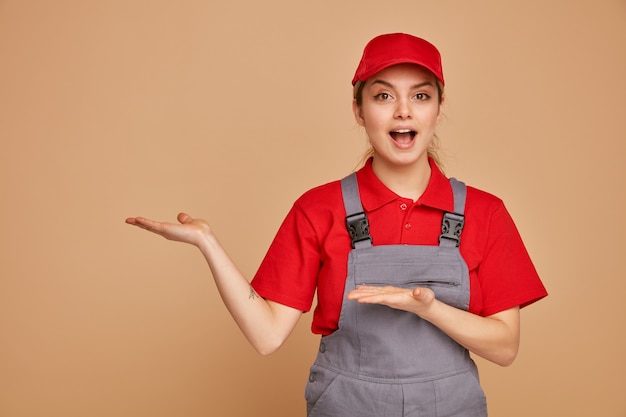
<point>264,323</point>
<point>495,338</point>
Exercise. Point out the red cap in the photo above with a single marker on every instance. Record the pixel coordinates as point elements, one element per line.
<point>397,48</point>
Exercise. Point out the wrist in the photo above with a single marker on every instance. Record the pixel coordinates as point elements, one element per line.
<point>429,310</point>
<point>207,241</point>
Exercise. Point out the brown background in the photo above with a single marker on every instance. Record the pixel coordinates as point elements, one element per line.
<point>230,110</point>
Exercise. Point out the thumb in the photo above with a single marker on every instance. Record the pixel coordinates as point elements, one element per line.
<point>423,295</point>
<point>184,218</point>
<point>418,294</point>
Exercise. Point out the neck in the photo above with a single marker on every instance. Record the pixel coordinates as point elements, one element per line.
<point>408,181</point>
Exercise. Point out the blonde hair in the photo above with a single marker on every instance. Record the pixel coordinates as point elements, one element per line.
<point>433,148</point>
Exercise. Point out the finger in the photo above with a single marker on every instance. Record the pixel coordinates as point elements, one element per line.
<point>184,218</point>
<point>423,295</point>
<point>147,224</point>
<point>417,293</point>
<point>359,296</point>
<point>380,298</point>
<point>363,291</point>
<point>372,288</point>
<point>357,293</point>
<point>136,221</point>
<point>366,287</point>
<point>387,289</point>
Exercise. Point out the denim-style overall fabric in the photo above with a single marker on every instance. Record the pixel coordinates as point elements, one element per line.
<point>387,362</point>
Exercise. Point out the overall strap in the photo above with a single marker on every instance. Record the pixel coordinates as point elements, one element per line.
<point>452,223</point>
<point>356,220</point>
<point>358,225</point>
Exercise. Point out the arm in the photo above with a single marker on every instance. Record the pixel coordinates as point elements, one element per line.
<point>266,324</point>
<point>495,338</point>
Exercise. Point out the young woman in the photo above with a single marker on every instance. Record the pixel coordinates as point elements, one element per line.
<point>412,270</point>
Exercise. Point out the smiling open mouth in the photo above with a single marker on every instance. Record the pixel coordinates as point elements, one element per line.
<point>403,135</point>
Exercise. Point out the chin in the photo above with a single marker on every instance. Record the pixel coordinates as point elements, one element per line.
<point>403,161</point>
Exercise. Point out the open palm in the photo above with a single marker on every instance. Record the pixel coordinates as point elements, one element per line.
<point>188,230</point>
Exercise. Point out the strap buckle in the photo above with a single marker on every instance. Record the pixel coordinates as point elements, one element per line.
<point>451,228</point>
<point>358,227</point>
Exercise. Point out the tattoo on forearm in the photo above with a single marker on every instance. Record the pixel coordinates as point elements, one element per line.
<point>253,295</point>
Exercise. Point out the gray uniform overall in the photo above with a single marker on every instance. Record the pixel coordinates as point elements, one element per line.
<point>386,362</point>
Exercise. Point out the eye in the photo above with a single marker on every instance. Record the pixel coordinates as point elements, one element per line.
<point>422,96</point>
<point>382,96</point>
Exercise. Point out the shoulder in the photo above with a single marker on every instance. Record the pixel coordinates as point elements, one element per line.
<point>319,196</point>
<point>481,200</point>
<point>317,216</point>
<point>321,205</point>
<point>486,217</point>
<point>482,205</point>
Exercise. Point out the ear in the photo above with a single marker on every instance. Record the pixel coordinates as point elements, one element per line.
<point>440,111</point>
<point>358,114</point>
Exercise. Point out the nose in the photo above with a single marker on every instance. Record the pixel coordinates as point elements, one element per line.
<point>402,110</point>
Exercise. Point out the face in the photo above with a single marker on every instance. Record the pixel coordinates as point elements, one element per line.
<point>400,109</point>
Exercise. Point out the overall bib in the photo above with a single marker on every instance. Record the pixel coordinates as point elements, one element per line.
<point>387,362</point>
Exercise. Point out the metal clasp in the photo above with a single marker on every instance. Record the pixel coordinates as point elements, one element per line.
<point>451,227</point>
<point>358,227</point>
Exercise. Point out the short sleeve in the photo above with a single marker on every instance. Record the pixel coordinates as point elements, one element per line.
<point>506,274</point>
<point>288,273</point>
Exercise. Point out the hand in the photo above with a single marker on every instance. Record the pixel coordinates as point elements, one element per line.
<point>416,300</point>
<point>495,337</point>
<point>188,231</point>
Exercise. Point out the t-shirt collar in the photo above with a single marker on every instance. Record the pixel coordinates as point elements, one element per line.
<point>375,194</point>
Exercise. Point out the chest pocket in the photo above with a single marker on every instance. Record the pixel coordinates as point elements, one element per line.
<point>440,269</point>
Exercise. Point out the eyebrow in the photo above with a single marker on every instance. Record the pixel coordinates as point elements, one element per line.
<point>389,85</point>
